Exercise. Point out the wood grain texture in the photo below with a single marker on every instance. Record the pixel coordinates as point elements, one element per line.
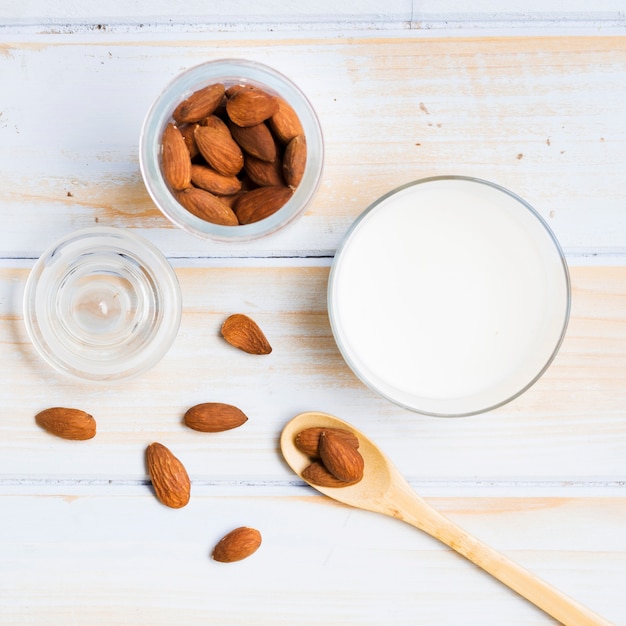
<point>84,540</point>
<point>111,559</point>
<point>542,116</point>
<point>568,426</point>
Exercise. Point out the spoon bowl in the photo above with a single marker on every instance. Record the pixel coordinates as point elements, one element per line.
<point>384,490</point>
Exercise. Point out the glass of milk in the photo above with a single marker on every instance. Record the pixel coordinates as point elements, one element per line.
<point>449,296</point>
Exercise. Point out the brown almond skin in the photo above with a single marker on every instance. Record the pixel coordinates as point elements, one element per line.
<point>307,440</point>
<point>219,149</point>
<point>175,158</point>
<point>168,475</point>
<point>294,161</point>
<point>285,123</point>
<point>317,474</point>
<point>206,206</point>
<point>233,89</point>
<point>238,544</point>
<point>264,173</point>
<point>244,333</point>
<point>199,104</point>
<point>341,459</point>
<point>208,179</point>
<point>257,140</point>
<point>260,203</point>
<point>216,122</point>
<point>187,130</point>
<point>214,417</point>
<point>67,423</point>
<point>251,106</point>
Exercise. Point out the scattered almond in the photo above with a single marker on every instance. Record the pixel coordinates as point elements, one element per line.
<point>168,475</point>
<point>199,104</point>
<point>67,423</point>
<point>340,458</point>
<point>175,158</point>
<point>238,544</point>
<point>244,333</point>
<point>307,440</point>
<point>214,417</point>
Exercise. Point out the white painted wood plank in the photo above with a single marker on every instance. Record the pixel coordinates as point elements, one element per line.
<point>123,558</point>
<point>242,15</point>
<point>542,116</point>
<point>569,427</point>
<point>112,12</point>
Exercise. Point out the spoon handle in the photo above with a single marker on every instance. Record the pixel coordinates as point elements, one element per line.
<point>409,507</point>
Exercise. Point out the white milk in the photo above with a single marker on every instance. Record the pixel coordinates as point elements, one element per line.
<point>449,296</point>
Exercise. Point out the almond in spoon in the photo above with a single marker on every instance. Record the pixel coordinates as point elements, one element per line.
<point>340,458</point>
<point>308,440</point>
<point>317,474</point>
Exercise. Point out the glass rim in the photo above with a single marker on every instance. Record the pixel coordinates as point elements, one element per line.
<point>229,70</point>
<point>145,254</point>
<point>333,315</point>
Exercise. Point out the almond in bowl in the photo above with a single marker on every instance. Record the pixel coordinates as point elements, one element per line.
<point>231,150</point>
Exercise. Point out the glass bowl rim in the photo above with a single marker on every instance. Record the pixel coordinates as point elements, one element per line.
<point>184,83</point>
<point>345,242</point>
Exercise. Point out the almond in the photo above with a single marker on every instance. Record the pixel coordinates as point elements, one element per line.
<point>187,130</point>
<point>260,203</point>
<point>67,423</point>
<point>206,206</point>
<point>308,440</point>
<point>214,121</point>
<point>294,161</point>
<point>264,173</point>
<point>168,475</point>
<point>208,179</point>
<point>175,158</point>
<point>238,544</point>
<point>214,417</point>
<point>341,459</point>
<point>219,149</point>
<point>244,333</point>
<point>199,104</point>
<point>285,123</point>
<point>317,474</point>
<point>250,106</point>
<point>233,89</point>
<point>256,140</point>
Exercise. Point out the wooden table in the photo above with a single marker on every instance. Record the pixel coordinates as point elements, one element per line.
<point>542,479</point>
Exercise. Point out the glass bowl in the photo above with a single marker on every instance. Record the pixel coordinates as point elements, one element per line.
<point>102,304</point>
<point>229,72</point>
<point>449,296</point>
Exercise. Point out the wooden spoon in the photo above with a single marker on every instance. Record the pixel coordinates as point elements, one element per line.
<point>384,490</point>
